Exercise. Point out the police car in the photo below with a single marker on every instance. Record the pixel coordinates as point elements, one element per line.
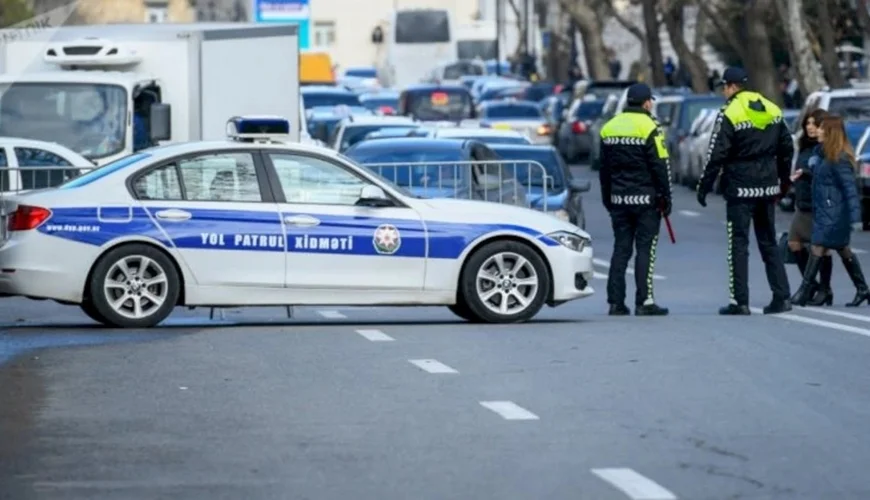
<point>258,221</point>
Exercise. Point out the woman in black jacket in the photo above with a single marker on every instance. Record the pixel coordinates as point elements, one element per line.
<point>836,209</point>
<point>801,229</point>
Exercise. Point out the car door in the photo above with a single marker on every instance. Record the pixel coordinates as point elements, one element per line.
<point>217,211</point>
<point>332,243</point>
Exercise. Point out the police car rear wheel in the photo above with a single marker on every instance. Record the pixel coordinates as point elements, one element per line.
<point>134,286</point>
<point>91,311</point>
<point>461,309</point>
<point>505,282</point>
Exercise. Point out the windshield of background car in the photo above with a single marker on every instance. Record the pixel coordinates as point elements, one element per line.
<point>513,111</point>
<point>415,168</point>
<point>437,104</point>
<point>88,118</point>
<point>357,133</point>
<point>850,108</point>
<point>692,108</point>
<point>530,174</point>
<point>589,110</point>
<point>321,99</point>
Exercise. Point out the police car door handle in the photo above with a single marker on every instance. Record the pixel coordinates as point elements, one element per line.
<point>173,215</point>
<point>301,220</point>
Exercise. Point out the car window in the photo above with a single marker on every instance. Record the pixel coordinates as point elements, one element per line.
<point>35,157</point>
<point>42,173</point>
<point>509,111</point>
<point>220,177</point>
<point>159,184</point>
<point>311,180</point>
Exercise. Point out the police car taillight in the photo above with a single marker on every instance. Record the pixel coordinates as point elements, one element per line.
<point>27,217</point>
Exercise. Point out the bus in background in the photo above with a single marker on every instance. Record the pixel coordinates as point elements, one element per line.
<point>477,40</point>
<point>418,40</point>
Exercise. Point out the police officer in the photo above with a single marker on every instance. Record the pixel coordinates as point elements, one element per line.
<point>753,149</point>
<point>636,190</point>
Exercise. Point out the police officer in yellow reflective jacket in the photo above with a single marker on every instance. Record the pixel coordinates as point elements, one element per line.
<point>752,148</point>
<point>636,190</point>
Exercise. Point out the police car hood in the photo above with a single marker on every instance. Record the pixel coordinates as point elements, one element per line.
<point>486,212</point>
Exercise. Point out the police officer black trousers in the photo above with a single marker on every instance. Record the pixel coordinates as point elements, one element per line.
<point>761,214</point>
<point>633,227</point>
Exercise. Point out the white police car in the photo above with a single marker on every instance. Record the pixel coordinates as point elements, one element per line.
<point>254,222</point>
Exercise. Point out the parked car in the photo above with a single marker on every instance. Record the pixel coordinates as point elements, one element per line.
<point>28,164</point>
<point>684,116</point>
<point>607,112</point>
<point>574,135</point>
<point>385,102</point>
<point>521,116</point>
<point>693,150</point>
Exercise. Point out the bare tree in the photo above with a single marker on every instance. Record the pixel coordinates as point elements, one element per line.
<point>830,62</point>
<point>521,27</point>
<point>672,16</point>
<point>653,42</point>
<point>591,29</point>
<point>809,74</point>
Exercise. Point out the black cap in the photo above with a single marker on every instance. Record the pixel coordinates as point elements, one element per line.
<point>639,93</point>
<point>734,75</point>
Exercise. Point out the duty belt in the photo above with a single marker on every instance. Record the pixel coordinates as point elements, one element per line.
<point>757,192</point>
<point>643,199</point>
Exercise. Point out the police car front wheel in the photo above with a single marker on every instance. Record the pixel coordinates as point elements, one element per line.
<point>134,286</point>
<point>505,282</point>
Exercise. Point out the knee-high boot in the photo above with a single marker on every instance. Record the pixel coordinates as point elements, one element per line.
<point>805,292</point>
<point>853,267</point>
<point>824,296</point>
<point>801,257</point>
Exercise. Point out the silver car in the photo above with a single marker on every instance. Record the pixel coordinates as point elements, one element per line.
<point>524,117</point>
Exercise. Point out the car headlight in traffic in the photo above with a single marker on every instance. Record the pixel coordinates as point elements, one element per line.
<point>571,240</point>
<point>561,214</point>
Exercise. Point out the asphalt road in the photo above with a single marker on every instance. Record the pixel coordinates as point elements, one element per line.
<point>397,403</point>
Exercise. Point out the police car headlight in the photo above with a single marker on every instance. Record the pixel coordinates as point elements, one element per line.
<point>570,240</point>
<point>561,214</point>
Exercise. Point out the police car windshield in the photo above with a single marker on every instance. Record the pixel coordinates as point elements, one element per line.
<point>530,174</point>
<point>415,169</point>
<point>321,99</point>
<point>851,108</point>
<point>513,111</point>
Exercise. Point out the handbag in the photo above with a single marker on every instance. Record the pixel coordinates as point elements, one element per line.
<point>788,256</point>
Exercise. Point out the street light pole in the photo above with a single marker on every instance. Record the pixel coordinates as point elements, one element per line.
<point>498,22</point>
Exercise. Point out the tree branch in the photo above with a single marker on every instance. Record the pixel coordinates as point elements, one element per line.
<point>624,22</point>
<point>715,19</point>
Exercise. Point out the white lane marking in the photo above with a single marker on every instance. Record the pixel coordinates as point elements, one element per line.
<point>858,251</point>
<point>689,213</point>
<point>509,410</point>
<point>817,322</point>
<point>331,314</point>
<point>636,486</point>
<point>375,335</point>
<point>599,276</point>
<point>603,263</point>
<point>833,312</point>
<point>432,366</point>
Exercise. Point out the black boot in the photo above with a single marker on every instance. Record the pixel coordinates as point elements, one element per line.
<point>619,310</point>
<point>734,310</point>
<point>650,310</point>
<point>853,267</point>
<point>805,292</point>
<point>777,306</point>
<point>824,296</point>
<point>801,258</point>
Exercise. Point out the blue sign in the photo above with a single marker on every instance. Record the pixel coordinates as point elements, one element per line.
<point>296,12</point>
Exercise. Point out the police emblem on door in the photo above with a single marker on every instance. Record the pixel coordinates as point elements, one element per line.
<point>387,239</point>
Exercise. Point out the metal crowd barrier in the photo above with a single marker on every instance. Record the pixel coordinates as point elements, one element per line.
<point>520,183</point>
<point>17,179</point>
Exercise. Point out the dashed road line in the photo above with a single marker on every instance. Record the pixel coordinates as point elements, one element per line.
<point>634,485</point>
<point>375,335</point>
<point>331,314</point>
<point>509,410</point>
<point>432,366</point>
<point>605,264</point>
<point>689,213</point>
<point>817,322</point>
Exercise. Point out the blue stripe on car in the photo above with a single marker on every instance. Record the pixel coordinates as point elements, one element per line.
<point>263,231</point>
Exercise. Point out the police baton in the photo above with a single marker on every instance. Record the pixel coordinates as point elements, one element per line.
<point>670,229</point>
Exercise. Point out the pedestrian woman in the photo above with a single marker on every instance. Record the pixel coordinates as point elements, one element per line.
<point>800,231</point>
<point>836,209</point>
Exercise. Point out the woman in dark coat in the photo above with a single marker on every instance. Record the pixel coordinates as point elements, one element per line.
<point>801,228</point>
<point>836,209</point>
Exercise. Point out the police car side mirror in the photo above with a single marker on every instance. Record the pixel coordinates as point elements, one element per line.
<point>579,186</point>
<point>373,196</point>
<point>160,122</point>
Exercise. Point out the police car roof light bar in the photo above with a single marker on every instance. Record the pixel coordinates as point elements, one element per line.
<point>258,128</point>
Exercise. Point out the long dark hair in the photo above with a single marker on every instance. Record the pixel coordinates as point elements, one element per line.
<point>807,142</point>
<point>836,144</point>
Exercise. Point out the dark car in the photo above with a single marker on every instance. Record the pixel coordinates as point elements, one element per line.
<point>382,103</point>
<point>559,193</point>
<point>681,123</point>
<point>318,96</point>
<point>575,133</point>
<point>323,121</point>
<point>433,102</point>
<point>439,168</point>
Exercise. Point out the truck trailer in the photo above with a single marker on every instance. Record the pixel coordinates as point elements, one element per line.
<point>107,91</point>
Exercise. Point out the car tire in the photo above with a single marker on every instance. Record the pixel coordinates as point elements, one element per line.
<point>119,282</point>
<point>461,309</point>
<point>484,296</point>
<point>90,311</point>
